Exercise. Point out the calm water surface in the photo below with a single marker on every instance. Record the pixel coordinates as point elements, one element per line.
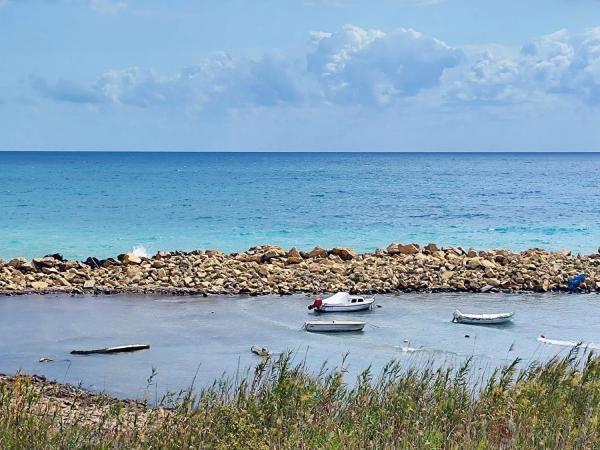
<point>206,337</point>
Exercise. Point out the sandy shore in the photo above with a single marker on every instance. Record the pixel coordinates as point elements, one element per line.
<point>272,270</point>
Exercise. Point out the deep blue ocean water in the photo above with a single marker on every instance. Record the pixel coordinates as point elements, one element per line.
<point>102,204</point>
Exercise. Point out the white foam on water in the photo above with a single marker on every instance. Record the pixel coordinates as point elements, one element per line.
<point>139,251</point>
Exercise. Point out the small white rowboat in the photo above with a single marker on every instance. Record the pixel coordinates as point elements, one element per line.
<point>482,319</point>
<point>342,302</point>
<point>333,325</point>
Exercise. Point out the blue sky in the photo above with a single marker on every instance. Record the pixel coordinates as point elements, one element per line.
<point>316,75</point>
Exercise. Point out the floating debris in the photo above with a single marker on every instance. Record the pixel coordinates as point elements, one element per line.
<point>406,348</point>
<point>119,349</point>
<point>589,345</point>
<point>260,351</point>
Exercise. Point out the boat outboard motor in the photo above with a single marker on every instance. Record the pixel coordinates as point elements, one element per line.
<point>316,304</point>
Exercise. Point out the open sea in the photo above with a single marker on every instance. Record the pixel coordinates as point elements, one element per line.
<point>102,204</point>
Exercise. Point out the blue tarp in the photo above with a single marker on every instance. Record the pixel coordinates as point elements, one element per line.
<point>575,281</point>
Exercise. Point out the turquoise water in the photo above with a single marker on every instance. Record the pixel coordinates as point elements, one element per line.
<point>102,204</point>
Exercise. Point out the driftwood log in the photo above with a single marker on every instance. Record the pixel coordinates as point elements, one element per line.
<point>119,349</point>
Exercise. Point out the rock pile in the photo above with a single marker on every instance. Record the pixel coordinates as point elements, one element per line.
<point>270,269</point>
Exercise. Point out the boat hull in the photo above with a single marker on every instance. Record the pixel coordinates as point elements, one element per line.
<point>333,326</point>
<point>482,319</point>
<point>472,321</point>
<point>345,308</point>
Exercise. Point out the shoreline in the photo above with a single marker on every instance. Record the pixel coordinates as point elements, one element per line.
<point>268,270</point>
<point>445,408</point>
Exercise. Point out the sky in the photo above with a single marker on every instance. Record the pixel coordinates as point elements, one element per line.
<point>300,75</point>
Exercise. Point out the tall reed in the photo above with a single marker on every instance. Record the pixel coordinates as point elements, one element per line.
<point>281,404</point>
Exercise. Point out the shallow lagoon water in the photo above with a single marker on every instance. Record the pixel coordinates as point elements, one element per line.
<point>203,338</point>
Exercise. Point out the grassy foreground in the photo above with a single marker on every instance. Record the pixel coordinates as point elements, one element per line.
<point>281,405</point>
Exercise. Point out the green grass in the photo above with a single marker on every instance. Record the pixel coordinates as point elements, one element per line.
<point>281,405</point>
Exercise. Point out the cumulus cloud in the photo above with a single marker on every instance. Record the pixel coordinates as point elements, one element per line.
<point>217,82</point>
<point>352,65</point>
<point>488,78</point>
<point>556,64</point>
<point>356,65</point>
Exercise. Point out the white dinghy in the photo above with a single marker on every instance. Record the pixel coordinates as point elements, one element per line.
<point>327,326</point>
<point>342,302</point>
<point>482,319</point>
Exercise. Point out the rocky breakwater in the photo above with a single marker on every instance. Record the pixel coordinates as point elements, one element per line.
<point>270,269</point>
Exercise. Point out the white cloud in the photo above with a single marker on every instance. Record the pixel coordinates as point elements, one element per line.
<point>488,78</point>
<point>361,67</point>
<point>215,83</point>
<point>353,65</point>
<point>555,64</point>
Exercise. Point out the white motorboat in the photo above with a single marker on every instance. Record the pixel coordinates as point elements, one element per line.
<point>333,325</point>
<point>342,302</point>
<point>482,319</point>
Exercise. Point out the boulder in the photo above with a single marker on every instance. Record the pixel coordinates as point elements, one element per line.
<point>62,281</point>
<point>446,275</point>
<point>343,252</point>
<point>473,262</point>
<point>293,253</point>
<point>129,258</point>
<point>486,288</point>
<point>39,285</point>
<point>46,261</point>
<point>294,260</point>
<point>487,264</point>
<point>93,262</point>
<point>56,256</point>
<point>110,262</point>
<point>245,257</point>
<point>318,252</point>
<point>21,264</point>
<point>161,274</point>
<point>431,248</point>
<point>271,254</point>
<point>403,249</point>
